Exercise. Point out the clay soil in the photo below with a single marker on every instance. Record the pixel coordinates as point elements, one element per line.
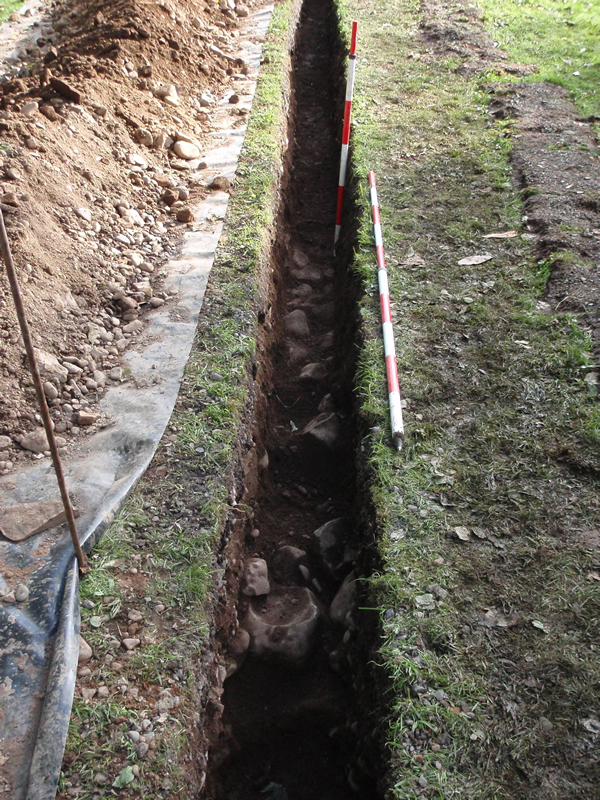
<point>92,191</point>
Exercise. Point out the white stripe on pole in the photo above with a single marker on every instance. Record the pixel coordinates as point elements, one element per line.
<point>389,348</point>
<point>388,339</point>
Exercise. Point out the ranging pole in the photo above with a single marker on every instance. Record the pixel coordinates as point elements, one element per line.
<point>389,349</point>
<point>346,132</point>
<point>39,390</point>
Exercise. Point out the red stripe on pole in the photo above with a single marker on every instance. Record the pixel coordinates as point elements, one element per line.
<point>353,38</point>
<point>391,369</point>
<point>386,309</point>
<point>391,366</point>
<point>345,133</point>
<point>338,216</point>
<point>346,130</point>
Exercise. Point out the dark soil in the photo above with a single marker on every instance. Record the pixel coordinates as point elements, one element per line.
<point>555,154</point>
<point>291,730</point>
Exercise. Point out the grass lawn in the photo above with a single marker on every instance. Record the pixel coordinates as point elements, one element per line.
<point>489,604</point>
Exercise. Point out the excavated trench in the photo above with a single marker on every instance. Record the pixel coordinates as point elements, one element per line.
<point>292,720</point>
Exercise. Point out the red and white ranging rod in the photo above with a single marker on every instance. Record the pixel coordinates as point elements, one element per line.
<point>346,131</point>
<point>389,348</point>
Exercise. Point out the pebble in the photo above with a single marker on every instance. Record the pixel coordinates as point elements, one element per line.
<point>84,213</point>
<point>116,374</point>
<point>134,736</point>
<point>130,644</point>
<point>186,150</point>
<point>36,441</point>
<point>50,390</point>
<point>220,183</point>
<point>141,749</point>
<point>162,141</point>
<point>5,442</point>
<point>185,215</point>
<point>49,112</point>
<point>21,593</point>
<point>144,137</point>
<point>87,418</point>
<point>234,98</point>
<point>134,615</point>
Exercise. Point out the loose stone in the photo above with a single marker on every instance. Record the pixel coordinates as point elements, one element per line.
<point>325,429</point>
<point>296,323</point>
<point>256,578</point>
<point>186,150</point>
<point>85,651</point>
<point>285,627</point>
<point>21,593</point>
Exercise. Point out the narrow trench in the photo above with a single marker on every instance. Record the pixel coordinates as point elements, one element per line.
<point>291,724</point>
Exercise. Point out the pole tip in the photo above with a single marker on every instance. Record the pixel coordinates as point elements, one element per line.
<point>398,441</point>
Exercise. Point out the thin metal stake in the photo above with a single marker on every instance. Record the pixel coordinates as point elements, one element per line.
<point>39,390</point>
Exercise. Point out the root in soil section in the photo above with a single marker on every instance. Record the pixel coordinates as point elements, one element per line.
<point>290,724</point>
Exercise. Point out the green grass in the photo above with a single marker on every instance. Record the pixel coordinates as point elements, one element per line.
<point>8,7</point>
<point>562,40</point>
<point>496,406</point>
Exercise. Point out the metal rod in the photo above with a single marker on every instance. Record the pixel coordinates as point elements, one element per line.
<point>39,390</point>
<point>389,347</point>
<point>346,132</point>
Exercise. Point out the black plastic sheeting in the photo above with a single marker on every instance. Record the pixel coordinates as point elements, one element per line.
<point>39,638</point>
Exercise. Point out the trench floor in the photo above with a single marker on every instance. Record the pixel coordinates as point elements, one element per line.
<point>291,728</point>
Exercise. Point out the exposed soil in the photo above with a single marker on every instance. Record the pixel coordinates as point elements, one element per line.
<point>555,154</point>
<point>92,190</point>
<point>457,32</point>
<point>290,727</point>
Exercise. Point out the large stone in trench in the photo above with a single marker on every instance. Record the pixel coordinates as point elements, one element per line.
<point>296,323</point>
<point>313,372</point>
<point>283,625</point>
<point>286,563</point>
<point>344,602</point>
<point>256,578</point>
<point>330,544</point>
<point>326,429</point>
